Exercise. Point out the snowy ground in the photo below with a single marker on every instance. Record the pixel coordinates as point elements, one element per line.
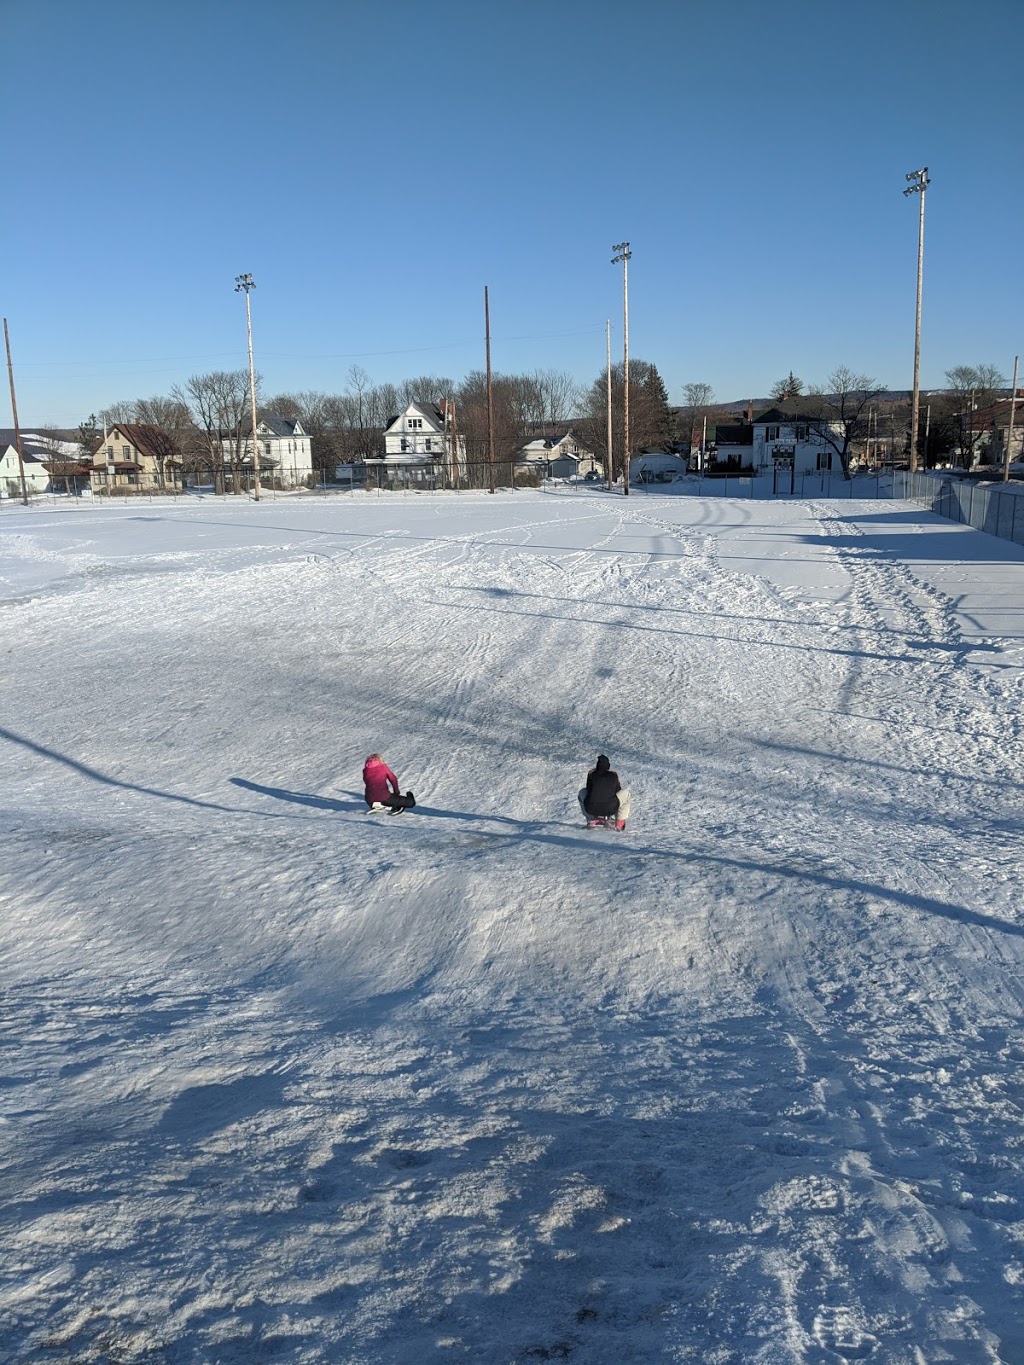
<point>283,1081</point>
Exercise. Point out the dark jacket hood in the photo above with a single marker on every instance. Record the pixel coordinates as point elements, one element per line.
<point>603,763</point>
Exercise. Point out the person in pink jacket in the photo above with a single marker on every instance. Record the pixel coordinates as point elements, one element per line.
<point>381,787</point>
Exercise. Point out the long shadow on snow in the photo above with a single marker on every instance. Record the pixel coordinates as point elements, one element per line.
<point>878,628</point>
<point>299,798</point>
<point>85,771</point>
<point>326,803</point>
<point>771,643</point>
<point>534,830</point>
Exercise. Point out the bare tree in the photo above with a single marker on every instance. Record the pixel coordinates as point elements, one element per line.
<point>316,412</point>
<point>698,398</point>
<point>972,387</point>
<point>121,411</point>
<point>219,403</point>
<point>510,430</point>
<point>425,388</point>
<point>561,398</point>
<point>59,463</point>
<point>838,412</point>
<point>173,429</point>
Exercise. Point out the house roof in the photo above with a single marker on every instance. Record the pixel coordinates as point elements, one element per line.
<point>430,411</point>
<point>147,440</point>
<point>997,414</point>
<point>280,426</point>
<point>35,446</point>
<point>542,443</point>
<point>734,434</point>
<point>777,416</point>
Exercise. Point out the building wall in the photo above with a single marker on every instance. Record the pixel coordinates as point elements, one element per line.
<point>292,456</point>
<point>36,478</point>
<point>811,454</point>
<point>415,435</point>
<point>117,448</point>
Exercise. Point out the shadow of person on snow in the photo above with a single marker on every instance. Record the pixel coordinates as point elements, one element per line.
<point>299,798</point>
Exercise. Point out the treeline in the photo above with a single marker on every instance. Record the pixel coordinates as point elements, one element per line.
<point>199,414</point>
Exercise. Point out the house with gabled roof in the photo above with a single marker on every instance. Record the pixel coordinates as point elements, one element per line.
<point>37,451</point>
<point>285,451</point>
<point>415,435</point>
<point>777,440</point>
<point>423,438</point>
<point>563,458</point>
<point>135,457</point>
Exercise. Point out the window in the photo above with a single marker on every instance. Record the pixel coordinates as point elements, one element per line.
<point>427,444</point>
<point>771,433</point>
<point>110,454</point>
<point>405,444</point>
<point>824,459</point>
<point>801,433</point>
<point>415,423</point>
<point>126,452</point>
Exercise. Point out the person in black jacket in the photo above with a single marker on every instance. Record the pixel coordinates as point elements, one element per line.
<point>604,800</point>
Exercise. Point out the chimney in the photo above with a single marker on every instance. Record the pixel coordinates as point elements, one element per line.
<point>750,409</point>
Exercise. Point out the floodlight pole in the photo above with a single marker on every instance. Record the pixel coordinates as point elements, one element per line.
<point>490,395</point>
<point>17,429</point>
<point>623,254</point>
<point>920,183</point>
<point>1008,456</point>
<point>243,283</point>
<point>608,359</point>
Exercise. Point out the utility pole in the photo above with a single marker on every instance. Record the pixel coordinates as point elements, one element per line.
<point>920,183</point>
<point>17,429</point>
<point>243,284</point>
<point>1009,434</point>
<point>608,357</point>
<point>623,254</point>
<point>490,396</point>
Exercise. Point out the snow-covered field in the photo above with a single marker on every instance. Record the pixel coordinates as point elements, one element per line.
<point>286,1082</point>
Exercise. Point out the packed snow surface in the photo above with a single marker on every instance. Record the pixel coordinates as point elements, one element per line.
<point>287,1081</point>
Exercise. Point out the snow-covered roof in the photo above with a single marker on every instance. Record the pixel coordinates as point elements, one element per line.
<point>38,447</point>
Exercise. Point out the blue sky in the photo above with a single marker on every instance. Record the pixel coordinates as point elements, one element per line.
<point>374,165</point>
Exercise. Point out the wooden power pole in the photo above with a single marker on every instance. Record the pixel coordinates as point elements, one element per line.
<point>14,409</point>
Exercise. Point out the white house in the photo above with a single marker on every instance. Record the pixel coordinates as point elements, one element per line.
<point>564,458</point>
<point>37,452</point>
<point>418,436</point>
<point>778,441</point>
<point>285,451</point>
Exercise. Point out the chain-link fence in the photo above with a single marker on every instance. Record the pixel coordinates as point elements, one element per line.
<point>995,508</point>
<point>279,482</point>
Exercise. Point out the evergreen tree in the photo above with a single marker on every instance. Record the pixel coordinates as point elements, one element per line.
<point>790,387</point>
<point>88,437</point>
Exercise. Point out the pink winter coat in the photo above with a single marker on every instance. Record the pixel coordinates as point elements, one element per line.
<point>379,781</point>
